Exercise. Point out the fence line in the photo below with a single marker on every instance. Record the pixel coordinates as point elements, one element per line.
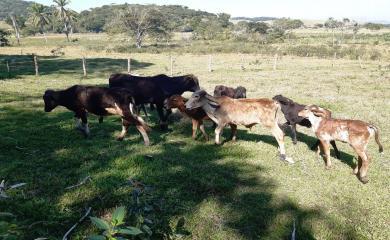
<point>210,63</point>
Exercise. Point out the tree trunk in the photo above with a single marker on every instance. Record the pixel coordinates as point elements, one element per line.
<point>139,40</point>
<point>66,31</point>
<point>16,28</point>
<point>44,35</point>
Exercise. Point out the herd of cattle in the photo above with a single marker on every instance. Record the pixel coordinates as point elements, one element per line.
<point>126,94</point>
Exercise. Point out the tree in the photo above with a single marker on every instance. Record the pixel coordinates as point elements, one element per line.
<point>143,21</point>
<point>373,26</point>
<point>332,24</point>
<point>39,17</point>
<point>355,29</point>
<point>4,38</point>
<point>65,15</point>
<point>287,23</point>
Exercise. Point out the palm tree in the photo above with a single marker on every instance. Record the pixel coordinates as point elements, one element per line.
<point>39,17</point>
<point>64,15</point>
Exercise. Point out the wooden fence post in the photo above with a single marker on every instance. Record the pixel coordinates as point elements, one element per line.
<point>334,58</point>
<point>242,63</point>
<point>84,67</point>
<point>210,63</point>
<point>360,62</point>
<point>7,65</point>
<point>128,65</point>
<point>171,66</point>
<point>275,61</point>
<point>36,65</point>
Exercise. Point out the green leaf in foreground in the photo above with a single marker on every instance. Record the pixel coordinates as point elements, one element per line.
<point>118,216</point>
<point>100,223</point>
<point>133,231</point>
<point>96,237</point>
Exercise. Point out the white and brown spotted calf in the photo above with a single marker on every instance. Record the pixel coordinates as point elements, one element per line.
<point>355,132</point>
<point>99,101</point>
<point>245,112</point>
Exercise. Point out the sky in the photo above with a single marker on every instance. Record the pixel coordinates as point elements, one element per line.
<point>361,10</point>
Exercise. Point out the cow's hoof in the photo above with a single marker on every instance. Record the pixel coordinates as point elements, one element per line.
<point>147,144</point>
<point>120,139</point>
<point>364,179</point>
<point>328,167</point>
<point>295,142</point>
<point>284,158</point>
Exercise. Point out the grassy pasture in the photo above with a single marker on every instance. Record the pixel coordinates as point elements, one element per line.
<point>236,191</point>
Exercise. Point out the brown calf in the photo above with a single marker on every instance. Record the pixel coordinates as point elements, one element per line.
<point>356,133</point>
<point>197,115</point>
<point>246,112</point>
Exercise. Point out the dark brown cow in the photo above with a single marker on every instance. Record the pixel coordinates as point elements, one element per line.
<point>155,89</point>
<point>239,92</point>
<point>355,132</point>
<point>99,101</point>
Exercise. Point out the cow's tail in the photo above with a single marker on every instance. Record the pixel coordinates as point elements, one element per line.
<point>376,131</point>
<point>139,119</point>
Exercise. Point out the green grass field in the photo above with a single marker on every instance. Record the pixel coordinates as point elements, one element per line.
<point>236,191</point>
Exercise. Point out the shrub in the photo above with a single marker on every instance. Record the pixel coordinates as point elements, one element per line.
<point>4,38</point>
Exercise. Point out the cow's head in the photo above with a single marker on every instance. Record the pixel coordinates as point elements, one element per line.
<point>282,99</point>
<point>174,101</point>
<point>314,111</point>
<point>192,82</point>
<point>200,99</point>
<point>50,101</point>
<point>218,90</point>
<point>240,92</point>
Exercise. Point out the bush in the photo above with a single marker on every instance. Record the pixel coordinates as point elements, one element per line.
<point>4,38</point>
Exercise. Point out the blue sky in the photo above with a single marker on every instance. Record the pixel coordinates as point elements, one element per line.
<point>362,10</point>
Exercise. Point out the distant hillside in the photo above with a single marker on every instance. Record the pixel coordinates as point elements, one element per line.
<point>253,19</point>
<point>95,18</point>
<point>18,7</point>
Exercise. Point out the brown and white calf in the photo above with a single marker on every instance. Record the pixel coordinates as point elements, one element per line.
<point>197,115</point>
<point>246,112</point>
<point>355,132</point>
<point>99,101</point>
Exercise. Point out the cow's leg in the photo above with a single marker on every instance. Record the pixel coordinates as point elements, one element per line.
<point>195,125</point>
<point>358,166</point>
<point>77,123</point>
<point>162,116</point>
<point>84,123</point>
<point>142,130</point>
<point>279,136</point>
<point>336,151</point>
<point>364,166</point>
<point>294,132</point>
<point>326,149</point>
<point>144,109</point>
<point>125,128</point>
<point>218,132</point>
<point>201,127</point>
<point>233,134</point>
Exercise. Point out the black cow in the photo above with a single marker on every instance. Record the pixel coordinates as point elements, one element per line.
<point>290,111</point>
<point>155,89</point>
<point>239,92</point>
<point>99,101</point>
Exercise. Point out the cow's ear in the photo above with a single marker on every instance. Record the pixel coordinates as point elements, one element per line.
<point>318,113</point>
<point>212,101</point>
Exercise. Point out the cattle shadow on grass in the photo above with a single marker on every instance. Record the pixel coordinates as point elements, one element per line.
<point>96,67</point>
<point>50,155</point>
